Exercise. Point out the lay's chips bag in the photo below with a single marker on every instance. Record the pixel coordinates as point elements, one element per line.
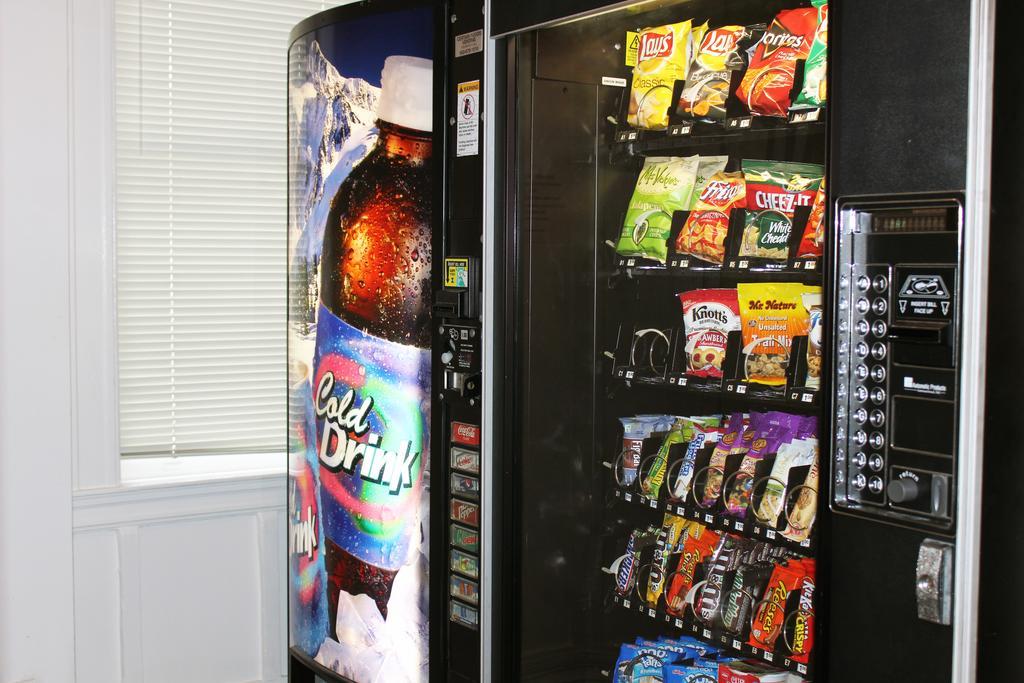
<point>663,56</point>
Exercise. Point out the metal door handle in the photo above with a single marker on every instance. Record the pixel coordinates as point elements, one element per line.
<point>934,585</point>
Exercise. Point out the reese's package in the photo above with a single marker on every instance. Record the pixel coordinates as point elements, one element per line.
<point>774,190</point>
<point>709,315</point>
<point>766,85</point>
<point>663,57</point>
<point>771,314</point>
<point>665,185</point>
<point>813,93</point>
<point>769,619</point>
<point>719,53</point>
<point>703,235</point>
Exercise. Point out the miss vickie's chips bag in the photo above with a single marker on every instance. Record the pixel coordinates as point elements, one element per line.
<point>664,186</point>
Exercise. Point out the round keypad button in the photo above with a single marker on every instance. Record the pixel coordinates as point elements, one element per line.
<point>859,459</point>
<point>880,283</point>
<point>859,482</point>
<point>863,282</point>
<point>862,305</point>
<point>861,371</point>
<point>875,462</point>
<point>878,396</point>
<point>860,437</point>
<point>861,349</point>
<point>877,418</point>
<point>861,394</point>
<point>878,373</point>
<point>878,351</point>
<point>875,485</point>
<point>877,440</point>
<point>879,328</point>
<point>860,415</point>
<point>879,306</point>
<point>862,327</point>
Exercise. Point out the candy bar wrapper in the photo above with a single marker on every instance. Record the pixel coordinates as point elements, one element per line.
<point>771,614</point>
<point>672,535</point>
<point>801,518</point>
<point>814,93</point>
<point>747,585</point>
<point>634,431</point>
<point>802,637</point>
<point>728,557</point>
<point>778,428</point>
<point>638,541</point>
<point>798,453</point>
<point>684,477</point>
<point>812,302</point>
<point>699,545</point>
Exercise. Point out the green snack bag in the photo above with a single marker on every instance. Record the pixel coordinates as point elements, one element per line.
<point>665,185</point>
<point>813,93</point>
<point>774,190</point>
<point>651,485</point>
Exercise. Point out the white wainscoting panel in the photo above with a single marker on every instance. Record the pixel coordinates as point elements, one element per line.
<point>181,583</point>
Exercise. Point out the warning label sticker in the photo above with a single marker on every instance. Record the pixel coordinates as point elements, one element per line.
<point>467,119</point>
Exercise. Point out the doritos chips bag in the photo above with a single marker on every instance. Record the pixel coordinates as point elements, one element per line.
<point>813,94</point>
<point>663,57</point>
<point>766,86</point>
<point>665,186</point>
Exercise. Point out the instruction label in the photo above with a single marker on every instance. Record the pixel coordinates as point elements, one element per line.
<point>467,119</point>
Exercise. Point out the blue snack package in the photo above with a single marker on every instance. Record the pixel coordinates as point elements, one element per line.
<point>704,650</point>
<point>699,672</point>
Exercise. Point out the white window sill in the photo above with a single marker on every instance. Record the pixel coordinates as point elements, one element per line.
<point>200,468</point>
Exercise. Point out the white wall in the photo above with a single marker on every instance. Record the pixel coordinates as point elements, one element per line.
<point>36,636</point>
<point>101,581</point>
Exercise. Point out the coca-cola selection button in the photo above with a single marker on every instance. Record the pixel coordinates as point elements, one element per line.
<point>878,373</point>
<point>875,462</point>
<point>465,434</point>
<point>877,440</point>
<point>879,306</point>
<point>875,485</point>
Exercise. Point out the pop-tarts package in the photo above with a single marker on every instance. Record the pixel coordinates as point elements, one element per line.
<point>697,672</point>
<point>637,664</point>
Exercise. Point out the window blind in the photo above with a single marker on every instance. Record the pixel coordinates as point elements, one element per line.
<point>200,223</point>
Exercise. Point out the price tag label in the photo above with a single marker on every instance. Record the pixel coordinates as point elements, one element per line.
<point>629,374</point>
<point>709,518</point>
<point>741,389</point>
<point>650,613</point>
<point>801,668</point>
<point>707,633</point>
<point>683,381</point>
<point>806,543</point>
<point>810,265</point>
<point>739,526</point>
<point>744,263</point>
<point>628,497</point>
<point>680,510</point>
<point>807,397</point>
<point>736,644</point>
<point>654,503</point>
<point>770,533</point>
<point>678,623</point>
<point>627,604</point>
<point>630,262</point>
<point>680,129</point>
<point>769,657</point>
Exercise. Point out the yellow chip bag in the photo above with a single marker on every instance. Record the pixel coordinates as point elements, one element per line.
<point>771,314</point>
<point>663,57</point>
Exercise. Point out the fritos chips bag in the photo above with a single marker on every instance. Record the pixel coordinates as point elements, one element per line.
<point>766,85</point>
<point>707,83</point>
<point>665,185</point>
<point>771,314</point>
<point>813,93</point>
<point>663,57</point>
<point>774,191</point>
<point>703,235</point>
<point>814,233</point>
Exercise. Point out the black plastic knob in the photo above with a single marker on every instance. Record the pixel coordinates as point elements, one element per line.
<point>903,490</point>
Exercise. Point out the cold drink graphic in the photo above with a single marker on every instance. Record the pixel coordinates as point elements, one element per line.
<point>305,527</point>
<point>371,378</point>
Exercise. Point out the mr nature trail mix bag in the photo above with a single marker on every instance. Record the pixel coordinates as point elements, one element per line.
<point>665,185</point>
<point>663,56</point>
<point>813,93</point>
<point>774,191</point>
<point>766,85</point>
<point>771,314</point>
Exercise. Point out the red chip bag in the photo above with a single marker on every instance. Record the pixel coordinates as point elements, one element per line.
<point>814,233</point>
<point>766,85</point>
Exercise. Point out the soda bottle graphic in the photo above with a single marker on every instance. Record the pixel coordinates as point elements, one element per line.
<point>305,526</point>
<point>371,377</point>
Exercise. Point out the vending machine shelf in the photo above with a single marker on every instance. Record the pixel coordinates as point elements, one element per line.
<point>688,624</point>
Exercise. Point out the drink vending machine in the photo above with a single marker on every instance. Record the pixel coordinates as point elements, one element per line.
<point>647,342</point>
<point>384,342</point>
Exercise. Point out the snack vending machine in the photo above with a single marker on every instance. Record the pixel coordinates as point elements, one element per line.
<point>735,367</point>
<point>384,334</point>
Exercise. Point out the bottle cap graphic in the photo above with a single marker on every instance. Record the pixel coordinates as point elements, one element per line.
<point>407,91</point>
